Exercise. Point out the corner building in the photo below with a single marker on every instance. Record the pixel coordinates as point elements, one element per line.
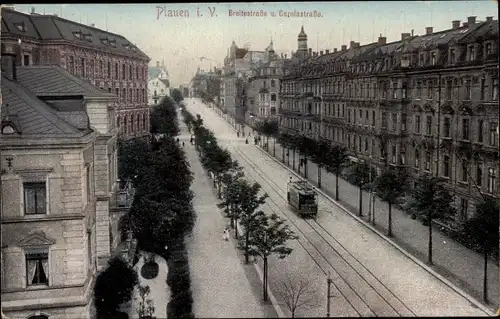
<point>427,104</point>
<point>107,60</point>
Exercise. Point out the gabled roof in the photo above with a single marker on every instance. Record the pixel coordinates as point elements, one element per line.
<point>240,53</point>
<point>53,80</point>
<point>51,27</point>
<point>33,116</point>
<point>153,72</point>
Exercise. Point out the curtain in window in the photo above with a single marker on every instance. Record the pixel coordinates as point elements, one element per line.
<point>31,264</point>
<point>45,266</point>
<point>29,194</point>
<point>40,200</point>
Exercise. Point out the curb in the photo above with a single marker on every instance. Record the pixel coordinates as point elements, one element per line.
<point>462,293</point>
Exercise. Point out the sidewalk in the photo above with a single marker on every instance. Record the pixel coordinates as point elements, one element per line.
<point>160,292</point>
<point>218,280</point>
<point>457,263</point>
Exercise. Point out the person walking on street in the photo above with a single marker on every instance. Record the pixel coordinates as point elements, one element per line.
<point>225,236</point>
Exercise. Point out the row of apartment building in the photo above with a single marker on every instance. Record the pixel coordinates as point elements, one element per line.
<point>107,60</point>
<point>426,104</point>
<point>63,103</point>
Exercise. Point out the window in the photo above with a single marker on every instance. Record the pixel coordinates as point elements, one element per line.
<point>471,53</point>
<point>89,184</point>
<point>483,88</point>
<point>419,89</point>
<point>82,64</point>
<point>491,180</point>
<point>421,60</point>
<point>37,269</point>
<point>130,72</point>
<point>116,71</point>
<point>446,166</point>
<point>89,248</point>
<point>71,65</point>
<point>26,60</point>
<point>404,92</point>
<point>38,317</point>
<point>467,90</point>
<point>493,133</point>
<point>273,83</point>
<point>494,95</point>
<point>427,161</point>
<point>480,132</point>
<point>428,125</point>
<point>125,124</point>
<point>487,49</point>
<point>433,58</point>
<point>384,120</point>
<point>393,153</point>
<point>464,204</point>
<point>117,93</point>
<point>394,91</point>
<point>123,71</point>
<point>465,129</point>
<point>417,124</point>
<point>92,68</point>
<point>109,69</point>
<point>373,118</point>
<point>394,120</point>
<point>109,90</point>
<point>430,90</point>
<point>34,198</point>
<point>464,170</point>
<point>273,97</point>
<point>137,72</point>
<point>403,121</point>
<point>449,90</point>
<point>479,174</point>
<point>144,124</point>
<point>452,56</point>
<point>447,127</point>
<point>124,95</point>
<point>417,158</point>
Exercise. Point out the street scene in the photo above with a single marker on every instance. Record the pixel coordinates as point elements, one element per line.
<point>250,160</point>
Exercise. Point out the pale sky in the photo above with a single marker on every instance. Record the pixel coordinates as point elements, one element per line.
<point>181,41</point>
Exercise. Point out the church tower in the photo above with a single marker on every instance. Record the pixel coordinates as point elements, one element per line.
<point>302,41</point>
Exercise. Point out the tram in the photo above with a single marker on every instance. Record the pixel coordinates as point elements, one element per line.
<point>303,197</point>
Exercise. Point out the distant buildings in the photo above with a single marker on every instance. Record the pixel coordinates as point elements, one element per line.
<point>107,60</point>
<point>58,186</point>
<point>158,83</point>
<point>207,85</point>
<point>426,104</point>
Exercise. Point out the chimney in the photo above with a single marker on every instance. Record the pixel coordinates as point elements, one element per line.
<point>471,20</point>
<point>352,44</point>
<point>404,36</point>
<point>32,10</point>
<point>356,45</point>
<point>157,64</point>
<point>455,24</point>
<point>344,47</point>
<point>9,62</point>
<point>315,54</point>
<point>489,19</point>
<point>93,25</point>
<point>286,55</point>
<point>465,25</point>
<point>382,40</point>
<point>327,52</point>
<point>320,52</point>
<point>334,50</point>
<point>412,32</point>
<point>310,52</point>
<point>428,30</point>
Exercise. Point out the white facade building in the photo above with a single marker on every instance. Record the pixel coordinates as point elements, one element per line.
<point>158,83</point>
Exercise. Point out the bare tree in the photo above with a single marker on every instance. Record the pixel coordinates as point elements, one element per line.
<point>297,293</point>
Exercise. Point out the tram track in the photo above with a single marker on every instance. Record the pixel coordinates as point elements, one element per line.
<point>362,290</point>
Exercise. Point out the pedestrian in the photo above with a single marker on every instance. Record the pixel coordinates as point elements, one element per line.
<point>225,236</point>
<point>182,144</point>
<point>177,140</point>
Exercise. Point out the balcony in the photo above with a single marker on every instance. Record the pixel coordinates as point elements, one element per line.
<point>122,198</point>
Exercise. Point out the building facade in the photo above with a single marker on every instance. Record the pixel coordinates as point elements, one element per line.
<point>58,174</point>
<point>158,83</point>
<point>109,61</point>
<point>426,104</point>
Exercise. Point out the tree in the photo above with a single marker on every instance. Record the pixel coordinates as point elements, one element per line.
<point>338,159</point>
<point>133,158</point>
<point>284,140</point>
<point>270,238</point>
<point>430,200</point>
<point>360,176</point>
<point>320,156</point>
<point>297,293</point>
<point>268,127</point>
<point>146,307</point>
<point>389,187</point>
<point>307,147</point>
<point>113,287</point>
<point>163,118</point>
<point>249,202</point>
<point>176,95</point>
<point>482,230</point>
<point>231,203</point>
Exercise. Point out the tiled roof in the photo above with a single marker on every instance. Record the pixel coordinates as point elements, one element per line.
<point>50,27</point>
<point>33,116</point>
<point>51,80</point>
<point>153,72</point>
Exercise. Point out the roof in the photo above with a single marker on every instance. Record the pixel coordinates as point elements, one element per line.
<point>50,27</point>
<point>165,81</point>
<point>240,53</point>
<point>53,80</point>
<point>31,115</point>
<point>153,72</point>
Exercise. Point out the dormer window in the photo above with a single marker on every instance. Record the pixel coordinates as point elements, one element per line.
<point>487,49</point>
<point>421,61</point>
<point>104,41</point>
<point>77,35</point>
<point>8,129</point>
<point>113,43</point>
<point>20,26</point>
<point>433,58</point>
<point>88,37</point>
<point>452,56</point>
<point>472,53</point>
<point>405,62</point>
